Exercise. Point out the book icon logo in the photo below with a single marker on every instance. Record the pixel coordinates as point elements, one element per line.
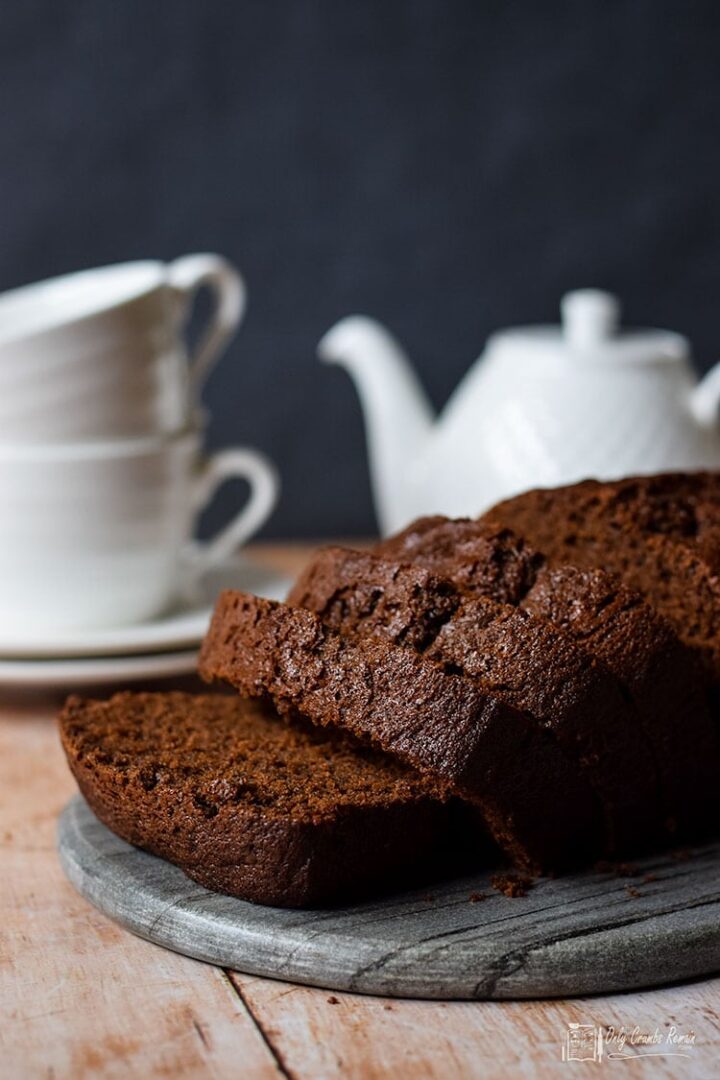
<point>583,1042</point>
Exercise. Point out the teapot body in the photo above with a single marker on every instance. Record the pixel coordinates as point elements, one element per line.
<point>510,427</point>
<point>543,406</point>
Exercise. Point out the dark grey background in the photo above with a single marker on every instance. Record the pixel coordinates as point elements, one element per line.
<point>449,167</point>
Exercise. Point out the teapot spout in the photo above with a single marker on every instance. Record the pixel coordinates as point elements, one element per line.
<point>398,415</point>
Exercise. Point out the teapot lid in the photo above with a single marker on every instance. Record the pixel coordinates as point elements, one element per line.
<point>590,330</point>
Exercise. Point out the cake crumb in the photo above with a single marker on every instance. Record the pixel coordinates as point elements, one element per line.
<point>388,1008</point>
<point>332,1000</point>
<point>512,885</point>
<point>429,898</point>
<point>647,878</point>
<point>632,891</point>
<point>476,897</point>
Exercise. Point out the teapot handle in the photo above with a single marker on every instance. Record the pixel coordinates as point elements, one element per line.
<point>705,398</point>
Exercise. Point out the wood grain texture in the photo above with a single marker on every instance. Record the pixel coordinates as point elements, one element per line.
<point>586,933</point>
<point>83,999</point>
<point>78,996</point>
<point>75,988</point>
<point>335,1036</point>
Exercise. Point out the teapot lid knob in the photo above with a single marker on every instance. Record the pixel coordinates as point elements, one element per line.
<point>589,316</point>
<point>590,333</point>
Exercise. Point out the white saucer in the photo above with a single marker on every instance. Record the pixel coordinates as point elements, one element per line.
<point>179,629</point>
<point>77,673</point>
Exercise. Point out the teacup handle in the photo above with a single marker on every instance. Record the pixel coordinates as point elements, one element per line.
<point>264,490</point>
<point>188,274</point>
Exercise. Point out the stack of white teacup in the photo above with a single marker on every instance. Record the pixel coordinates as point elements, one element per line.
<point>101,474</point>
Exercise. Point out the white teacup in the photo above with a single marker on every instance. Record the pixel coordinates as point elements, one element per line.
<point>101,355</point>
<point>95,536</point>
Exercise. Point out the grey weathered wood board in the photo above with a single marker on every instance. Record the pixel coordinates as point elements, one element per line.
<point>588,933</point>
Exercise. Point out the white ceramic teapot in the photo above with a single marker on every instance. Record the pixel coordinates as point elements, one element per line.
<point>544,405</point>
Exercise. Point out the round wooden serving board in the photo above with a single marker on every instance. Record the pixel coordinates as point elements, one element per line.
<point>590,933</point>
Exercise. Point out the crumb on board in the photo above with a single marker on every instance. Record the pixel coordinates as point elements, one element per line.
<point>388,1008</point>
<point>332,1000</point>
<point>632,891</point>
<point>512,885</point>
<point>647,878</point>
<point>476,897</point>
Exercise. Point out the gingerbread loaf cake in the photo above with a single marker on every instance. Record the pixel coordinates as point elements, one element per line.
<point>524,660</point>
<point>540,675</point>
<point>634,641</point>
<point>453,727</point>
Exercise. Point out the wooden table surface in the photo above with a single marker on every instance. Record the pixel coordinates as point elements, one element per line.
<point>80,997</point>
